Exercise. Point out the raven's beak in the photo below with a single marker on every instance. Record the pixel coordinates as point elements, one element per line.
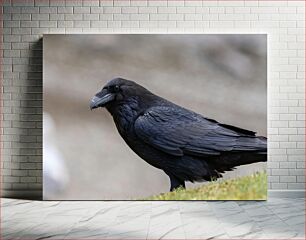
<point>101,99</point>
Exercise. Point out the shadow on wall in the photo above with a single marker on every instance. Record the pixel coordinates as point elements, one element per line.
<point>30,138</point>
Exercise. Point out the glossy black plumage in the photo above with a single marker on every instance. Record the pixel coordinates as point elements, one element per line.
<point>184,144</point>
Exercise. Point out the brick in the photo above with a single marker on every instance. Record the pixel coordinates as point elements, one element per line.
<point>27,179</point>
<point>121,17</point>
<point>277,186</point>
<point>185,9</point>
<point>73,16</point>
<point>82,24</point>
<point>288,53</point>
<point>5,186</point>
<point>20,186</point>
<point>50,10</point>
<point>6,172</point>
<point>23,3</point>
<point>230,17</point>
<point>11,53</point>
<point>273,164</point>
<point>81,9</point>
<point>189,3</point>
<point>64,10</point>
<point>287,179</point>
<point>56,17</point>
<point>287,10</point>
<point>19,173</point>
<point>65,24</point>
<point>202,10</point>
<point>39,32</point>
<point>140,17</point>
<point>98,24</point>
<point>36,173</point>
<point>147,9</point>
<point>139,3</point>
<point>91,16</point>
<point>74,3</point>
<point>290,103</point>
<point>21,16</point>
<point>113,24</point>
<point>129,10</point>
<point>47,24</point>
<point>158,3</point>
<point>295,172</point>
<point>21,31</point>
<point>167,24</point>
<point>300,179</point>
<point>287,165</point>
<point>296,158</point>
<point>261,10</point>
<point>279,124</point>
<point>288,131</point>
<point>156,17</point>
<point>130,24</point>
<point>184,24</point>
<point>273,179</point>
<point>96,10</point>
<point>296,151</point>
<point>30,24</point>
<point>11,10</point>
<point>265,24</point>
<point>112,10</point>
<point>148,24</point>
<point>195,17</point>
<point>230,3</point>
<point>40,16</point>
<point>11,24</point>
<point>122,3</point>
<point>42,2</point>
<point>166,10</point>
<point>91,3</point>
<point>57,2</point>
<point>11,179</point>
<point>297,138</point>
<point>242,10</point>
<point>105,17</point>
<point>300,165</point>
<point>296,186</point>
<point>29,10</point>
<point>176,17</point>
<point>288,24</point>
<point>222,24</point>
<point>287,116</point>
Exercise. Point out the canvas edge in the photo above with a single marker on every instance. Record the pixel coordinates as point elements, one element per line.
<point>37,194</point>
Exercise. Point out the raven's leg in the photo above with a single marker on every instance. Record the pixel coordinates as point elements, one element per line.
<point>175,183</point>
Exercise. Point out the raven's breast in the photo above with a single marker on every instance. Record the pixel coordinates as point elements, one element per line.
<point>151,155</point>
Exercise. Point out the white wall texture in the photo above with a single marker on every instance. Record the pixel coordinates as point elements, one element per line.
<point>25,21</point>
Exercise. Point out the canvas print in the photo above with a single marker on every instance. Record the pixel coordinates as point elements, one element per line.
<point>155,117</point>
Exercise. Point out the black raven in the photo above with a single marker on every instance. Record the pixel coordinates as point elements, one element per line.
<point>184,144</point>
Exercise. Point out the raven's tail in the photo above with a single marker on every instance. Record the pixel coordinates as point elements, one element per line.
<point>228,162</point>
<point>252,151</point>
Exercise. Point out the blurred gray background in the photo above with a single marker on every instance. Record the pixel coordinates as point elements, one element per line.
<point>223,77</point>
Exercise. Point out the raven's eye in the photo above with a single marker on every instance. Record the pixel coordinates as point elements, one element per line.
<point>116,88</point>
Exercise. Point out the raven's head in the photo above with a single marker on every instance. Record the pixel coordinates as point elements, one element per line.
<point>115,92</point>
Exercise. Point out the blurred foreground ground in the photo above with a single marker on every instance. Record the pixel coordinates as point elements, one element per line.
<point>223,77</point>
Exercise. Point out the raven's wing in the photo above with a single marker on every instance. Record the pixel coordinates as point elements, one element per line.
<point>178,131</point>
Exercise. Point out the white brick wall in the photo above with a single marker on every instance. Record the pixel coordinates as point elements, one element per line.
<point>24,22</point>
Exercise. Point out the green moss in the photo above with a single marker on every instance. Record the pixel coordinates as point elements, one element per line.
<point>253,187</point>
